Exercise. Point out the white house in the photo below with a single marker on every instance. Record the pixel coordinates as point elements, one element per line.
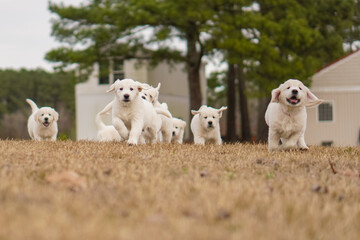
<point>336,122</point>
<point>91,96</point>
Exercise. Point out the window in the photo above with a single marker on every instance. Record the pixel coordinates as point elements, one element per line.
<point>118,70</point>
<point>325,111</point>
<point>104,68</point>
<point>327,143</point>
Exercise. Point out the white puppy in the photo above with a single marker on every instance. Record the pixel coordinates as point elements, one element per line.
<point>286,115</point>
<point>42,123</point>
<point>130,113</point>
<point>106,132</point>
<point>205,125</point>
<point>178,130</point>
<point>152,94</point>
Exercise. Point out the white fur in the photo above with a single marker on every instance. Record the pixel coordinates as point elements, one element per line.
<point>106,132</point>
<point>205,125</point>
<point>151,94</point>
<point>130,113</point>
<point>286,117</point>
<point>42,123</point>
<point>178,128</point>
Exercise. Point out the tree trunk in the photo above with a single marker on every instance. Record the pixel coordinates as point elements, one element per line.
<point>244,110</point>
<point>193,68</point>
<point>262,129</point>
<point>193,65</point>
<point>231,104</point>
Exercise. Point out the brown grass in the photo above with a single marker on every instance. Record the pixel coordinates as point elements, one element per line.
<point>164,191</point>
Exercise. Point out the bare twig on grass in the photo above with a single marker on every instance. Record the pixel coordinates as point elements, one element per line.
<point>348,172</point>
<point>332,167</point>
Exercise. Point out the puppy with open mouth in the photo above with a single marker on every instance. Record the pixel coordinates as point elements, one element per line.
<point>286,115</point>
<point>42,123</point>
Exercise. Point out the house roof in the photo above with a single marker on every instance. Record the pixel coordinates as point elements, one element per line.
<point>339,61</point>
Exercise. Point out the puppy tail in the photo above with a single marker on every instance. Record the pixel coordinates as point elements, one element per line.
<point>32,104</point>
<point>99,123</point>
<point>161,111</point>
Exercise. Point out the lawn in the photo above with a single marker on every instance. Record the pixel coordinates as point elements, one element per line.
<point>89,190</point>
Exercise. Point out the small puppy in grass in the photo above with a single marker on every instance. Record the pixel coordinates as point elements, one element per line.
<point>286,115</point>
<point>42,123</point>
<point>178,130</point>
<point>205,125</point>
<point>106,132</point>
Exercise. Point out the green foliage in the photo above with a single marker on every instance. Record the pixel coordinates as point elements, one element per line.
<point>216,92</point>
<point>46,89</point>
<point>278,40</point>
<point>274,41</point>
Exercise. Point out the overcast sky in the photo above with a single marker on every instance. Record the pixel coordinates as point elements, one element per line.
<point>25,33</point>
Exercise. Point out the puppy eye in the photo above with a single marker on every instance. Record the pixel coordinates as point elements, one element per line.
<point>121,89</point>
<point>42,115</point>
<point>131,89</point>
<point>176,127</point>
<point>300,88</point>
<point>49,114</point>
<point>205,117</point>
<point>145,94</point>
<point>288,88</point>
<point>214,117</point>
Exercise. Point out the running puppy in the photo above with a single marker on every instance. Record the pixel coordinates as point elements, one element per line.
<point>151,94</point>
<point>205,125</point>
<point>178,128</point>
<point>131,115</point>
<point>42,123</point>
<point>286,115</point>
<point>106,132</point>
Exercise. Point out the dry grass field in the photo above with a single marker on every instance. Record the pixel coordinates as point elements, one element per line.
<point>88,190</point>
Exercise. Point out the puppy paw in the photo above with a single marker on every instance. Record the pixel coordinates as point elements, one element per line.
<point>131,142</point>
<point>304,148</point>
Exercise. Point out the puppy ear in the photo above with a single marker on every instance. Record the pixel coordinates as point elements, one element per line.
<point>112,87</point>
<point>38,117</point>
<point>221,110</point>
<point>311,99</point>
<point>194,112</point>
<point>151,98</point>
<point>56,116</point>
<point>158,86</point>
<point>275,94</point>
<point>183,124</point>
<point>141,86</point>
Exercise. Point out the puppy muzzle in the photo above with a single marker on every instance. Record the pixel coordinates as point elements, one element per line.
<point>293,100</point>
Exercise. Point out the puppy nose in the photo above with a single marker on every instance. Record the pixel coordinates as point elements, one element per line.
<point>210,123</point>
<point>295,91</point>
<point>46,119</point>
<point>126,96</point>
<point>173,133</point>
<point>143,97</point>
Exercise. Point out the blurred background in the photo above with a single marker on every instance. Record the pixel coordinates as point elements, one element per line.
<point>66,53</point>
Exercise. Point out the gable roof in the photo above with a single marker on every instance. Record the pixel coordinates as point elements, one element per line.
<point>338,62</point>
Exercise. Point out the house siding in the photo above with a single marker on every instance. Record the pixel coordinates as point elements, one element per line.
<point>344,130</point>
<point>338,83</point>
<point>343,73</point>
